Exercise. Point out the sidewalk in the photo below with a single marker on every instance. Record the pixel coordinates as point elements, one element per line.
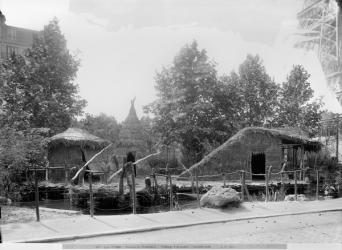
<point>84,226</point>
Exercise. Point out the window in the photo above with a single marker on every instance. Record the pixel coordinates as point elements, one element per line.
<point>12,34</point>
<point>11,50</point>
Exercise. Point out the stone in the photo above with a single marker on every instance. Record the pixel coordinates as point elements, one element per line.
<point>291,197</point>
<point>219,197</point>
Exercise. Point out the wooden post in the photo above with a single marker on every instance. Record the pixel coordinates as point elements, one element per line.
<point>171,198</point>
<point>192,184</point>
<point>317,182</point>
<point>224,180</point>
<point>36,194</point>
<point>266,182</point>
<point>133,191</point>
<point>66,174</point>
<point>91,194</point>
<point>242,185</point>
<point>295,184</point>
<point>197,189</point>
<point>47,174</point>
<point>282,189</point>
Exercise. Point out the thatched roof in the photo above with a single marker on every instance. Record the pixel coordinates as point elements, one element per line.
<point>77,136</point>
<point>286,135</point>
<point>132,133</point>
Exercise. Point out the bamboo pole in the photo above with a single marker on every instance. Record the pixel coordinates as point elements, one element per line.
<point>317,182</point>
<point>197,189</point>
<point>133,191</point>
<point>36,194</point>
<point>91,194</point>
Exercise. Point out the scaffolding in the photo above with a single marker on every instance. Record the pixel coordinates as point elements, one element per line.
<point>320,25</point>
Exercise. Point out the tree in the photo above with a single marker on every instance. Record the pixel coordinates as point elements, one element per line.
<point>259,92</point>
<point>13,78</point>
<point>103,126</point>
<point>186,110</point>
<point>297,108</point>
<point>51,97</point>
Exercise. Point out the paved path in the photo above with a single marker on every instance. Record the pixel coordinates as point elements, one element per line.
<point>83,226</point>
<point>304,228</point>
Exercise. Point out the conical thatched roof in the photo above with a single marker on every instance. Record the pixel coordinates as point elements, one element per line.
<point>131,134</point>
<point>77,136</point>
<point>232,146</point>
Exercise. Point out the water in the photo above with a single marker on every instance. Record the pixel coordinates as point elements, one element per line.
<point>65,205</point>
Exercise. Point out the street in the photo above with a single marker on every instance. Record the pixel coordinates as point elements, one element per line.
<point>307,228</point>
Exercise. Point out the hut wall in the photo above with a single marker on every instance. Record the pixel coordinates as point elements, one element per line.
<point>64,157</point>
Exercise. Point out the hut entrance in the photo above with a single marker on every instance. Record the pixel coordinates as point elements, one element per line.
<point>258,166</point>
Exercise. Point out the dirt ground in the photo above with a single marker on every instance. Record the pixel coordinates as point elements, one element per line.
<point>13,214</point>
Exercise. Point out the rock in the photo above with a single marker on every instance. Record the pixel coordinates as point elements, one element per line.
<point>291,197</point>
<point>5,201</point>
<point>219,197</point>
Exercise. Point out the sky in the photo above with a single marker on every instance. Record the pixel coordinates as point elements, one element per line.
<point>123,43</point>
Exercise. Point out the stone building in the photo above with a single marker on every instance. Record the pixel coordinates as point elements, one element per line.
<point>14,39</point>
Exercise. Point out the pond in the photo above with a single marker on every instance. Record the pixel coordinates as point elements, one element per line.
<point>65,204</point>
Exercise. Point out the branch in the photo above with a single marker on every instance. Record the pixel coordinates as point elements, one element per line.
<point>91,159</point>
<point>136,162</point>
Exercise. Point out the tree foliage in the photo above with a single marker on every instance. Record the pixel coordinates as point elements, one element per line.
<point>187,110</point>
<point>296,107</point>
<point>103,126</point>
<point>201,110</point>
<point>37,91</point>
<point>52,97</point>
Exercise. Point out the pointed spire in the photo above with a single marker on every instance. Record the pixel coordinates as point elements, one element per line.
<point>132,115</point>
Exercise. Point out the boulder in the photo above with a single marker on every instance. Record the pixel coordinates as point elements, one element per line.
<point>5,201</point>
<point>219,197</point>
<point>291,197</point>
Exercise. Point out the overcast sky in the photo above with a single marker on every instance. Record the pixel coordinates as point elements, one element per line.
<point>122,43</point>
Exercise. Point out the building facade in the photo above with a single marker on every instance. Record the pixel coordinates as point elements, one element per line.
<point>14,39</point>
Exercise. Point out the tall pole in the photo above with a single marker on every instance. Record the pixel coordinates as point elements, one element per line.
<point>133,191</point>
<point>337,135</point>
<point>91,194</point>
<point>36,196</point>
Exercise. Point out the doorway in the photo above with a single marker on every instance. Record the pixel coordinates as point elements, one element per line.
<point>258,166</point>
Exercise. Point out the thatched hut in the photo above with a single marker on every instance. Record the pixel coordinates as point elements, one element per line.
<point>254,148</point>
<point>131,136</point>
<point>70,150</point>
